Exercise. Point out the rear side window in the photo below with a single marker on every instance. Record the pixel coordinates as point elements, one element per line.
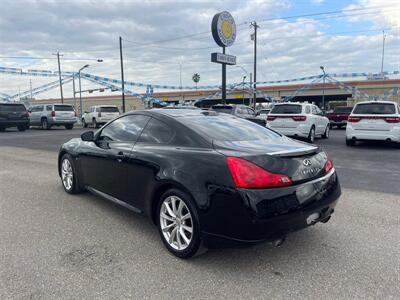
<point>49,107</point>
<point>226,128</point>
<point>375,109</point>
<point>63,108</point>
<point>125,129</point>
<point>286,109</point>
<point>109,109</point>
<point>156,132</point>
<point>12,107</point>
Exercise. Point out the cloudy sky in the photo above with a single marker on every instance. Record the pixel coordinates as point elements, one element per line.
<point>295,37</point>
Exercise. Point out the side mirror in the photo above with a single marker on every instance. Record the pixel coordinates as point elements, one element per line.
<point>87,136</point>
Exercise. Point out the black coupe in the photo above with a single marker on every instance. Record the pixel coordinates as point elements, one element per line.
<point>203,177</point>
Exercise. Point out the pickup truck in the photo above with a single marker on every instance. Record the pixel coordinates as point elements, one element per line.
<point>339,116</point>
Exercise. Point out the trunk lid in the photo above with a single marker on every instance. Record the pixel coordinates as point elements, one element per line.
<point>300,161</point>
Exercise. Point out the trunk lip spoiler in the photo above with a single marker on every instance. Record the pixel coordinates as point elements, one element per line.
<point>294,152</point>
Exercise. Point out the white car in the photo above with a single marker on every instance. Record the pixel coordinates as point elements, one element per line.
<point>299,120</point>
<point>99,115</point>
<point>374,120</point>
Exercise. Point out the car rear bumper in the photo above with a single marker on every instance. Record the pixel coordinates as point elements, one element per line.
<point>59,121</point>
<point>335,123</point>
<point>299,131</point>
<point>14,123</point>
<point>261,215</point>
<point>373,135</point>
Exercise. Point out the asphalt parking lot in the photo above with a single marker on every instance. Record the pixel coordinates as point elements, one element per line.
<point>57,246</point>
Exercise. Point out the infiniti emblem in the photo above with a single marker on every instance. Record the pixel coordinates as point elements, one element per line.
<point>307,162</point>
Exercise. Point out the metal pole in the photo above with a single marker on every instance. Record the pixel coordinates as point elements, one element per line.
<point>80,95</point>
<point>223,80</point>
<point>323,93</point>
<point>122,74</point>
<point>59,76</point>
<point>73,89</point>
<point>383,51</point>
<point>251,87</point>
<point>254,24</point>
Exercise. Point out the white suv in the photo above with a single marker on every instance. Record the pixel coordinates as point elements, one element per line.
<point>99,115</point>
<point>374,120</point>
<point>302,120</point>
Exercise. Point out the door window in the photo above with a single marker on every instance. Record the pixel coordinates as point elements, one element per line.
<point>314,110</point>
<point>156,132</point>
<point>125,129</point>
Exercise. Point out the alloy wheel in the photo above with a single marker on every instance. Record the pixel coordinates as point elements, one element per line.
<point>176,223</point>
<point>67,174</point>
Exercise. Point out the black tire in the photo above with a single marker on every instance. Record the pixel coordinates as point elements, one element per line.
<point>22,128</point>
<point>311,135</point>
<point>195,245</point>
<point>95,124</point>
<point>76,187</point>
<point>84,124</point>
<point>44,124</point>
<point>350,142</point>
<point>326,133</point>
<point>69,126</point>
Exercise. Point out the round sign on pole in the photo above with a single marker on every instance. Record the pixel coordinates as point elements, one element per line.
<point>223,29</point>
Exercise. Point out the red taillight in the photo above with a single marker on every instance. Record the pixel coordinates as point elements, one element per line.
<point>250,176</point>
<point>353,119</point>
<point>53,113</point>
<point>328,166</point>
<point>271,118</point>
<point>75,113</point>
<point>299,118</point>
<point>392,120</point>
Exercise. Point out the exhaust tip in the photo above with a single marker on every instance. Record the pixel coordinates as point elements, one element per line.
<point>279,242</point>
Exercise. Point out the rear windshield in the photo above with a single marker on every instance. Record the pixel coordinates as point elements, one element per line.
<point>226,128</point>
<point>223,109</point>
<point>286,109</point>
<point>343,110</point>
<point>109,109</point>
<point>375,109</point>
<point>12,107</point>
<point>63,108</point>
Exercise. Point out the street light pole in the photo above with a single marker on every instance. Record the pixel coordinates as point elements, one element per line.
<point>122,74</point>
<point>323,87</point>
<point>244,77</point>
<point>80,90</point>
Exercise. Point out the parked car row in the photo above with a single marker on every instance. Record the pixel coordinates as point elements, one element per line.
<point>49,115</point>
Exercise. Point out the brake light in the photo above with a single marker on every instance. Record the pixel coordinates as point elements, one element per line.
<point>353,119</point>
<point>250,176</point>
<point>53,113</point>
<point>271,118</point>
<point>328,166</point>
<point>392,120</point>
<point>299,118</point>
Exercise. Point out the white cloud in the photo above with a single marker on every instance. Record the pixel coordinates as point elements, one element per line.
<point>285,50</point>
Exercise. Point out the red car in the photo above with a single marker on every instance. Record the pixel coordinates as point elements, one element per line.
<point>339,116</point>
